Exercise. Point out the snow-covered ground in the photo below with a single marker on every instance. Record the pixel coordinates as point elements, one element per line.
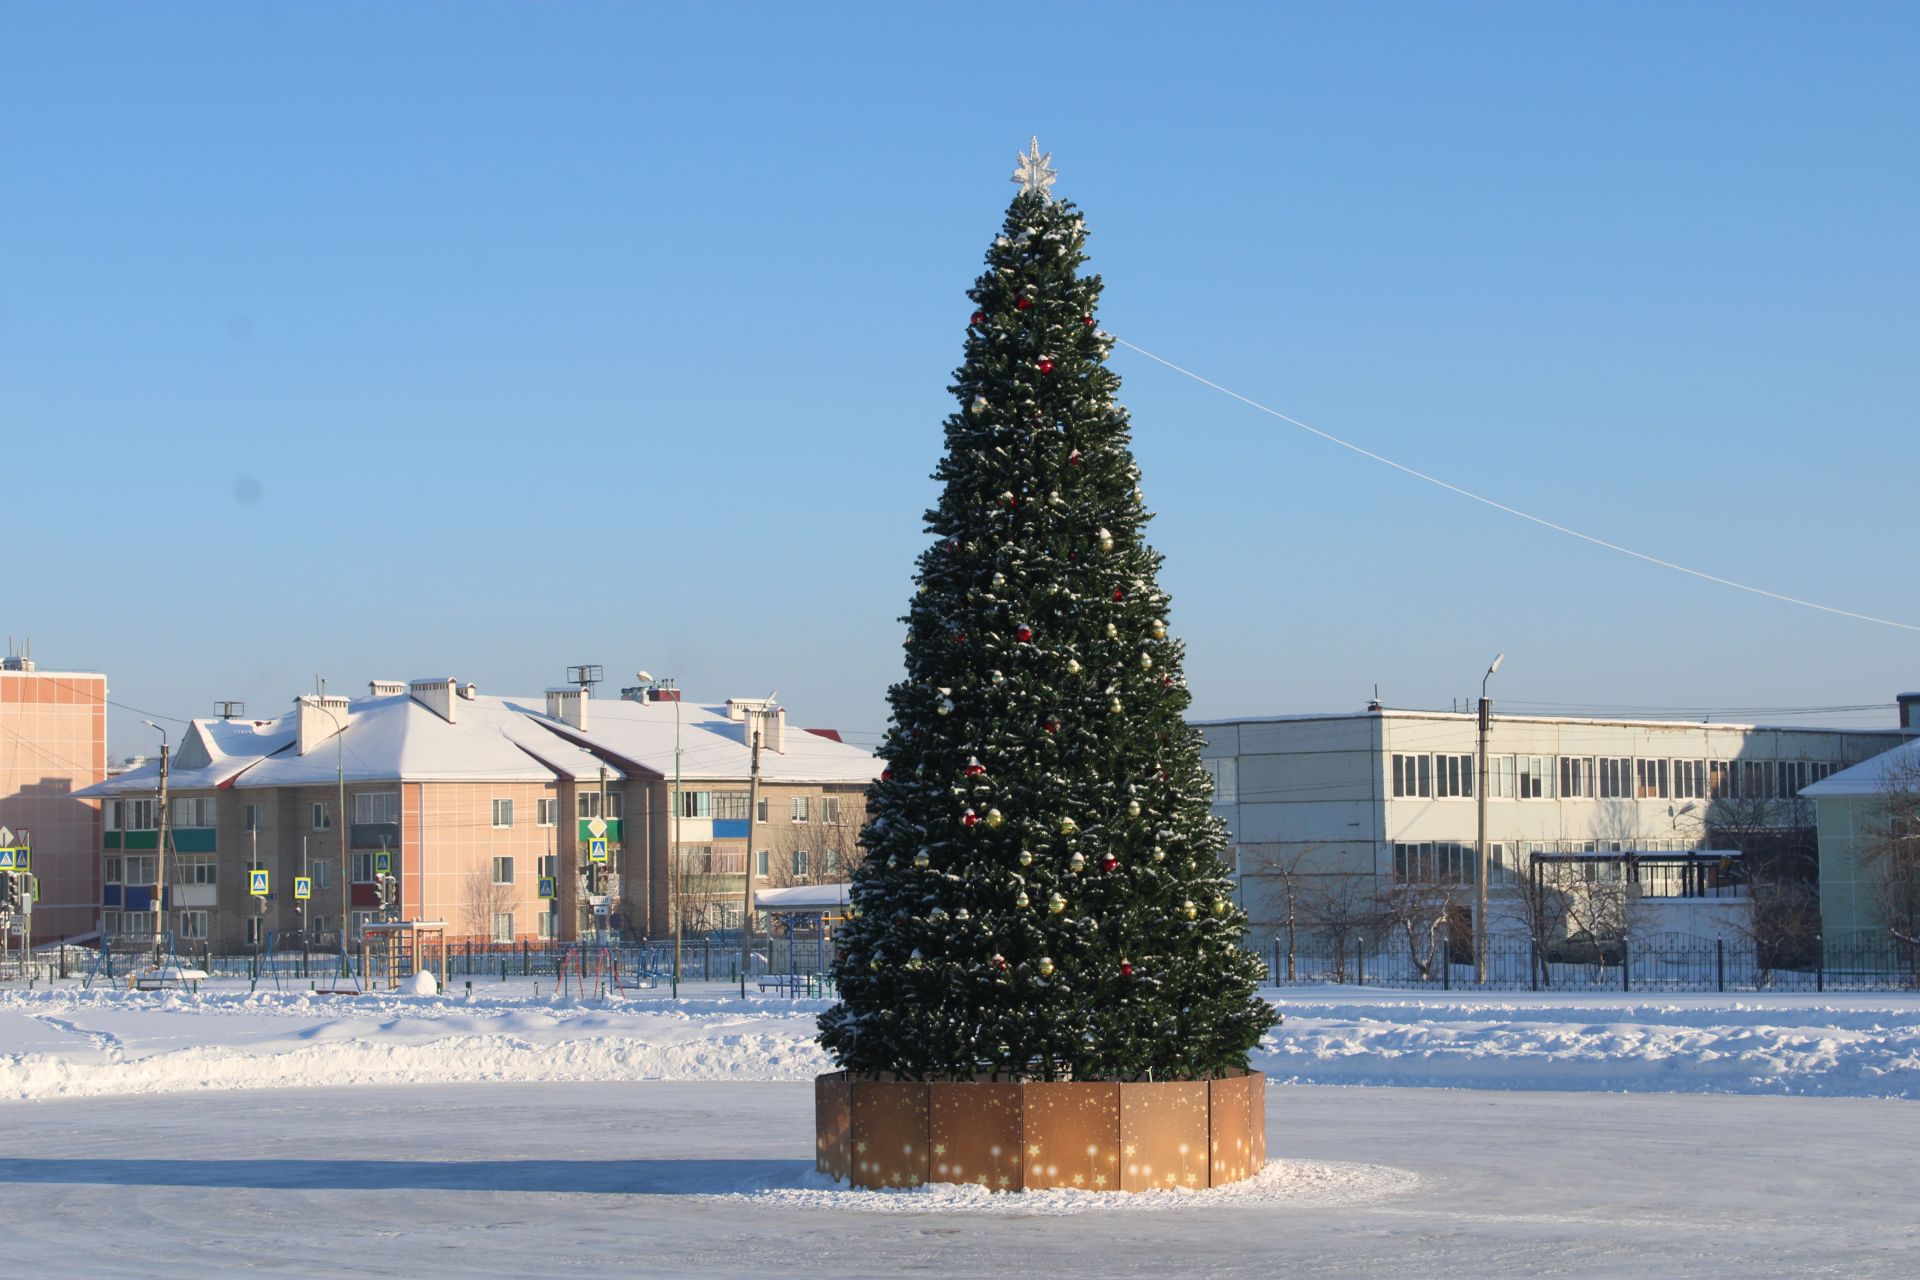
<point>182,1134</point>
<point>67,1042</point>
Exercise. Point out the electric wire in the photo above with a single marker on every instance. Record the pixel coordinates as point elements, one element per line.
<point>1515,511</point>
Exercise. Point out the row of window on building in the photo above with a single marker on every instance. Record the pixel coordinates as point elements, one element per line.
<point>192,925</point>
<point>705,860</point>
<point>1435,775</point>
<point>371,808</point>
<point>1457,861</point>
<point>734,806</point>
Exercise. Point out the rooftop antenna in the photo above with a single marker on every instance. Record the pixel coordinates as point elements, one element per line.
<point>586,675</point>
<point>229,710</point>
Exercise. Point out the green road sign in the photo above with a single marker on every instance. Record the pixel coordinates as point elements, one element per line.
<point>597,849</point>
<point>549,887</point>
<point>383,863</point>
<point>257,883</point>
<point>303,887</point>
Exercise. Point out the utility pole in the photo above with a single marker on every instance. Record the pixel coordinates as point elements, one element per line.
<point>675,884</point>
<point>599,872</point>
<point>160,859</point>
<point>1480,841</point>
<point>746,893</point>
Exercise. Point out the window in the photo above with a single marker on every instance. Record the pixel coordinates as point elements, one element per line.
<point>1690,779</point>
<point>111,924</point>
<point>140,871</point>
<point>194,811</point>
<point>588,803</point>
<point>322,871</point>
<point>371,807</point>
<point>696,804</point>
<point>799,806</point>
<point>321,819</point>
<point>110,814</point>
<point>1224,773</point>
<point>503,870</point>
<point>1723,780</point>
<point>111,871</point>
<point>726,862</point>
<point>760,861</point>
<point>503,813</point>
<point>1616,778</point>
<point>357,923</point>
<point>360,868</point>
<point>1653,779</point>
<point>800,863</point>
<point>1756,779</point>
<point>1413,775</point>
<point>545,811</point>
<point>830,863</point>
<point>1445,862</point>
<point>1536,777</point>
<point>321,925</point>
<point>1576,777</point>
<point>253,817</point>
<point>550,866</point>
<point>547,925</point>
<point>1498,870</point>
<point>503,926</point>
<point>190,926</point>
<point>731,805</point>
<point>141,815</point>
<point>136,924</point>
<point>1453,776</point>
<point>762,815</point>
<point>830,808</point>
<point>194,868</point>
<point>1501,777</point>
<point>1794,775</point>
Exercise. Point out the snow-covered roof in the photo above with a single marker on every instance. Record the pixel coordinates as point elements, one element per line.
<point>802,897</point>
<point>212,754</point>
<point>712,747</point>
<point>1472,717</point>
<point>1898,767</point>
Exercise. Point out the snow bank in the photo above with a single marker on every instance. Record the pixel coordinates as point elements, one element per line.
<point>72,1043</point>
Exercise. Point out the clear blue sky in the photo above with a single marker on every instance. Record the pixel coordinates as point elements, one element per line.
<point>481,339</point>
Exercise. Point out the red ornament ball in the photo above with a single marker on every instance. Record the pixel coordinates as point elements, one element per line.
<point>886,775</point>
<point>1108,862</point>
<point>959,637</point>
<point>1126,968</point>
<point>1023,635</point>
<point>1046,365</point>
<point>1167,681</point>
<point>1021,304</point>
<point>969,818</point>
<point>979,318</point>
<point>1085,320</point>
<point>1119,594</point>
<point>1052,726</point>
<point>1073,459</point>
<point>1000,962</point>
<point>975,768</point>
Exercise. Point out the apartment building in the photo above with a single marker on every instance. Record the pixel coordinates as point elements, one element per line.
<point>486,810</point>
<point>1391,795</point>
<point>53,745</point>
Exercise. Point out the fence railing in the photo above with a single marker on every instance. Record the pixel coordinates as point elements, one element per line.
<point>1667,962</point>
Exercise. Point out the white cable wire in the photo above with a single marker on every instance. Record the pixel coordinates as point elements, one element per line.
<point>1515,511</point>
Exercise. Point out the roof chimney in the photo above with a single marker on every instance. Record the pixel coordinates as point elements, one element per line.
<point>469,691</point>
<point>769,722</point>
<point>386,688</point>
<point>320,717</point>
<point>435,694</point>
<point>567,703</point>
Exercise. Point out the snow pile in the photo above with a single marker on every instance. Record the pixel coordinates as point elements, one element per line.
<point>71,1043</point>
<point>422,983</point>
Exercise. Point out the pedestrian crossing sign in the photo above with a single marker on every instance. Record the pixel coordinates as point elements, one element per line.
<point>9,859</point>
<point>303,887</point>
<point>257,883</point>
<point>548,887</point>
<point>383,863</point>
<point>597,849</point>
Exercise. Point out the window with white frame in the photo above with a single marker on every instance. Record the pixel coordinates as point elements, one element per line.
<point>545,811</point>
<point>800,806</point>
<point>194,868</point>
<point>111,923</point>
<point>140,870</point>
<point>193,811</point>
<point>547,925</point>
<point>1413,775</point>
<point>1434,862</point>
<point>322,820</point>
<point>830,809</point>
<point>762,815</point>
<point>113,870</point>
<point>141,815</point>
<point>370,807</point>
<point>503,870</point>
<point>1616,777</point>
<point>830,863</point>
<point>1653,779</point>
<point>360,868</point>
<point>357,923</point>
<point>136,924</point>
<point>1756,779</point>
<point>589,806</point>
<point>503,926</point>
<point>503,813</point>
<point>696,804</point>
<point>1690,779</point>
<point>1501,778</point>
<point>1576,777</point>
<point>1453,776</point>
<point>800,861</point>
<point>1536,777</point>
<point>190,926</point>
<point>732,806</point>
<point>321,869</point>
<point>1794,774</point>
<point>761,861</point>
<point>1723,780</point>
<point>549,865</point>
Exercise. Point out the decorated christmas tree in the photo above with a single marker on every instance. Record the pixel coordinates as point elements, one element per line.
<point>1043,895</point>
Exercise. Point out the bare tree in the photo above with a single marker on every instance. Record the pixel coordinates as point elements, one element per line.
<point>1284,865</point>
<point>1424,908</point>
<point>1538,904</point>
<point>1890,858</point>
<point>481,899</point>
<point>1343,909</point>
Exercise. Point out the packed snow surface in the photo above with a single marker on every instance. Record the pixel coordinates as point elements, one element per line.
<point>67,1042</point>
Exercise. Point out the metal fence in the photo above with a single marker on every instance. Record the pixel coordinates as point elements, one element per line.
<point>1664,962</point>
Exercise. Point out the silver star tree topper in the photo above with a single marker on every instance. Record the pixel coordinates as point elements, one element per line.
<point>1032,173</point>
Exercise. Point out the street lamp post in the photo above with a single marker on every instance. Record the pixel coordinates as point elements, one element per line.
<point>340,818</point>
<point>160,857</point>
<point>1480,804</point>
<point>674,903</point>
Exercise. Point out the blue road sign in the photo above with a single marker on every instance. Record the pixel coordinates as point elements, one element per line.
<point>549,887</point>
<point>257,883</point>
<point>597,849</point>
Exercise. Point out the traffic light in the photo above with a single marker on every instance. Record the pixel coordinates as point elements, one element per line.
<point>10,893</point>
<point>389,892</point>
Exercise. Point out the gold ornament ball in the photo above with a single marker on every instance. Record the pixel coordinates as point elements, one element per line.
<point>1073,666</point>
<point>1146,662</point>
<point>1133,808</point>
<point>945,707</point>
<point>998,678</point>
<point>993,818</point>
<point>1114,707</point>
<point>874,964</point>
<point>1219,906</point>
<point>1078,862</point>
<point>1159,630</point>
<point>979,404</point>
<point>1188,910</point>
<point>1106,540</point>
<point>921,860</point>
<point>963,915</point>
<point>1068,826</point>
<point>1021,900</point>
<point>999,581</point>
<point>1046,966</point>
<point>1026,857</point>
<point>1112,631</point>
<point>1159,854</point>
<point>1056,904</point>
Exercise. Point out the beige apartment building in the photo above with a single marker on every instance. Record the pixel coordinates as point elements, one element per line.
<point>487,812</point>
<point>53,745</point>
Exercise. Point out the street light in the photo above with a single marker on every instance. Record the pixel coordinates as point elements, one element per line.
<point>340,765</point>
<point>160,857</point>
<point>674,904</point>
<point>1485,870</point>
